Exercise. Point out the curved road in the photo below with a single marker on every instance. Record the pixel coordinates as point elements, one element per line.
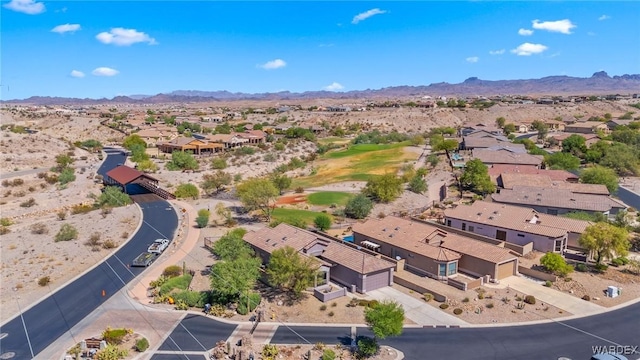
<point>572,339</point>
<point>60,311</point>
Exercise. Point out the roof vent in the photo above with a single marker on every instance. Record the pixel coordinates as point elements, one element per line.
<point>385,229</point>
<point>267,240</point>
<point>479,214</point>
<point>490,217</point>
<point>526,196</point>
<point>495,212</point>
<point>390,235</point>
<point>397,228</point>
<point>284,238</point>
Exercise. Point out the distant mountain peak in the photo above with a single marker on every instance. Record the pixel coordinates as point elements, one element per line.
<point>471,80</point>
<point>600,74</point>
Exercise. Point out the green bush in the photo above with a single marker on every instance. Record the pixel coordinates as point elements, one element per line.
<point>616,262</point>
<point>328,354</point>
<point>172,271</point>
<point>111,352</point>
<point>367,347</point>
<point>67,232</point>
<point>81,209</point>
<point>548,283</point>
<point>490,306</point>
<point>114,336</point>
<point>444,306</point>
<point>179,282</point>
<point>218,163</point>
<point>6,222</point>
<point>581,267</point>
<point>187,191</point>
<point>601,268</point>
<point>457,311</point>
<point>254,301</point>
<point>269,352</point>
<point>530,299</point>
<point>142,345</point>
<point>427,297</point>
<point>191,298</point>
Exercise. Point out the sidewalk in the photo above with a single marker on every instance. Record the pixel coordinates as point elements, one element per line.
<point>566,302</point>
<point>185,240</point>
<point>419,312</point>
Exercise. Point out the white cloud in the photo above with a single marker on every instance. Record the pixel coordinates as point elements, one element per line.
<point>273,64</point>
<point>77,74</point>
<point>61,29</point>
<point>367,14</point>
<point>528,49</point>
<point>325,45</point>
<point>496,52</point>
<point>561,26</point>
<point>124,37</point>
<point>105,71</point>
<point>525,32</point>
<point>472,59</point>
<point>604,17</point>
<point>334,87</point>
<point>30,7</point>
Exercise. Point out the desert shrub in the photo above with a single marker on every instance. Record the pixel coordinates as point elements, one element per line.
<point>465,300</point>
<point>299,190</point>
<point>187,191</point>
<point>109,244</point>
<point>244,150</point>
<point>39,228</point>
<point>111,352</point>
<point>28,203</point>
<point>6,222</point>
<point>328,354</point>
<point>172,271</point>
<point>367,347</point>
<point>586,297</point>
<point>4,230</point>
<point>330,313</point>
<point>323,307</point>
<point>62,215</point>
<point>81,209</point>
<point>218,163</point>
<point>444,306</point>
<point>548,283</point>
<point>427,297</point>
<point>601,268</point>
<point>254,301</point>
<point>178,282</point>
<point>457,311</point>
<point>623,260</point>
<point>44,281</point>
<point>67,232</point>
<point>113,196</point>
<point>114,336</point>
<point>581,267</point>
<point>489,306</point>
<point>555,263</point>
<point>334,304</point>
<point>530,299</point>
<point>66,176</point>
<point>373,303</point>
<point>181,305</point>
<point>191,298</point>
<point>94,239</point>
<point>142,345</point>
<point>269,352</point>
<point>124,235</point>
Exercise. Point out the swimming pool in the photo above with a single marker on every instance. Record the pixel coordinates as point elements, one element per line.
<point>348,238</point>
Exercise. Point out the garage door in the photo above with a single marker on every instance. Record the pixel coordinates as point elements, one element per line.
<point>507,269</point>
<point>377,281</point>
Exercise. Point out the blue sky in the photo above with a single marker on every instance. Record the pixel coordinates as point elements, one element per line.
<point>108,48</point>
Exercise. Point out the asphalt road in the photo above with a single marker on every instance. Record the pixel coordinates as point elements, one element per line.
<point>60,311</point>
<point>572,339</point>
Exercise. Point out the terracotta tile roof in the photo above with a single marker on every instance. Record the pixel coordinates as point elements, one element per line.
<point>150,133</point>
<point>482,142</point>
<point>416,237</point>
<point>555,198</point>
<point>516,218</point>
<point>283,235</point>
<point>556,175</point>
<point>124,174</point>
<point>509,180</point>
<point>506,157</point>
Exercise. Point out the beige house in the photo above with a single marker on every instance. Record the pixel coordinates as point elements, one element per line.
<point>357,270</point>
<point>195,146</point>
<point>431,251</point>
<point>587,127</point>
<point>227,140</point>
<point>153,136</point>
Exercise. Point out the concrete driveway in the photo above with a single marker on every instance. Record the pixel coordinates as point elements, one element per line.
<point>553,297</point>
<point>416,310</point>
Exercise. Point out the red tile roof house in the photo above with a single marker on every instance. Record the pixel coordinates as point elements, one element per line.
<point>556,175</point>
<point>507,156</point>
<point>511,180</point>
<point>556,201</point>
<point>357,270</point>
<point>517,225</point>
<point>431,251</point>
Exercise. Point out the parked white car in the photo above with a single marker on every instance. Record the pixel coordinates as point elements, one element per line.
<point>158,246</point>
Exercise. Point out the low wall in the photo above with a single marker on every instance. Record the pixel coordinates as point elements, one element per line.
<point>457,284</point>
<point>475,283</point>
<point>537,274</point>
<point>406,282</point>
<point>321,293</point>
<point>519,249</point>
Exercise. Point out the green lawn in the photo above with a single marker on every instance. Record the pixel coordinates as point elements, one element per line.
<point>305,215</point>
<point>329,197</point>
<point>360,149</point>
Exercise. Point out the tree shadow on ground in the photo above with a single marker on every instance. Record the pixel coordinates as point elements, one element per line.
<point>275,295</point>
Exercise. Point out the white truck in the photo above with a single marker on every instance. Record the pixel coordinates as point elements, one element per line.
<point>158,246</point>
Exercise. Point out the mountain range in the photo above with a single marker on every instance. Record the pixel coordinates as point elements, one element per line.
<point>599,83</point>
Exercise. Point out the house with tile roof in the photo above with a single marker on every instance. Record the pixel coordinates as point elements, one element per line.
<point>507,156</point>
<point>434,252</point>
<point>510,180</point>
<point>496,170</point>
<point>517,225</point>
<point>556,201</point>
<point>357,270</point>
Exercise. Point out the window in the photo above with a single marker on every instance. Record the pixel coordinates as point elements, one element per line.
<point>448,222</point>
<point>558,246</point>
<point>501,235</point>
<point>464,226</point>
<point>452,268</point>
<point>520,235</point>
<point>471,228</point>
<point>442,269</point>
